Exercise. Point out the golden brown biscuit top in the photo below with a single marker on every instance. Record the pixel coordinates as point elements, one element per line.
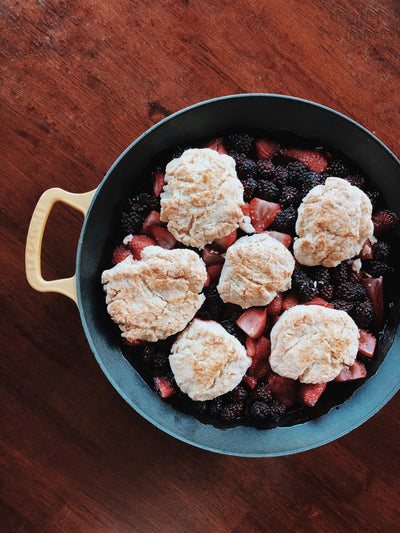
<point>202,198</point>
<point>334,221</point>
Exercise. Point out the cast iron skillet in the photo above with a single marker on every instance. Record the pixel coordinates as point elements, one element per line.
<point>207,120</point>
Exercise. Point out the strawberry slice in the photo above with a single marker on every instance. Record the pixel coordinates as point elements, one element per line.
<point>309,393</point>
<point>366,343</point>
<point>158,182</point>
<point>120,253</point>
<point>312,159</point>
<point>245,209</point>
<point>260,364</point>
<point>214,272</point>
<point>137,243</point>
<point>275,307</point>
<point>164,387</point>
<point>217,145</point>
<point>262,213</point>
<point>164,238</point>
<point>284,389</point>
<point>374,287</point>
<point>320,301</point>
<point>251,381</point>
<point>224,242</point>
<point>356,371</point>
<point>135,342</point>
<point>289,300</point>
<point>153,219</point>
<point>284,238</point>
<point>266,149</point>
<point>250,346</point>
<point>212,257</point>
<point>253,321</point>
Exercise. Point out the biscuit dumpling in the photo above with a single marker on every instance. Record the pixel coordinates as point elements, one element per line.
<point>256,268</point>
<point>313,343</point>
<point>202,198</point>
<point>157,296</point>
<point>334,221</point>
<point>207,361</point>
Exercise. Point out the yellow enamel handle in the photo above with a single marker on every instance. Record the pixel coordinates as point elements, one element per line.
<point>66,286</point>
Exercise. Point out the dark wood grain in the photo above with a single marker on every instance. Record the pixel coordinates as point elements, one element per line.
<point>79,81</point>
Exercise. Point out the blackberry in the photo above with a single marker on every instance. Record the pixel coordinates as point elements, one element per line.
<point>238,393</point>
<point>245,168</point>
<point>277,410</point>
<point>214,406</point>
<point>241,143</point>
<point>296,171</point>
<point>375,199</point>
<point>201,407</point>
<point>377,268</point>
<point>324,286</point>
<point>231,312</point>
<point>351,292</point>
<point>249,186</point>
<point>159,364</point>
<point>342,305</point>
<point>266,190</point>
<point>132,221</point>
<point>232,328</point>
<point>341,273</point>
<point>280,175</point>
<point>290,197</point>
<point>321,275</point>
<point>262,410</point>
<point>363,314</point>
<point>178,151</point>
<point>148,353</point>
<point>231,411</point>
<point>338,168</point>
<point>326,291</point>
<point>356,181</point>
<point>139,207</point>
<point>154,203</point>
<point>265,169</point>
<point>309,181</point>
<point>285,220</point>
<point>380,250</point>
<point>384,221</point>
<point>262,392</point>
<point>213,304</point>
<point>140,201</point>
<point>304,287</point>
<point>229,325</point>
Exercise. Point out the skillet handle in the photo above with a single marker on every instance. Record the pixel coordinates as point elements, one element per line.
<point>33,250</point>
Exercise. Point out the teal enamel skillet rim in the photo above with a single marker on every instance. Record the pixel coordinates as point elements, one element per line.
<point>240,441</point>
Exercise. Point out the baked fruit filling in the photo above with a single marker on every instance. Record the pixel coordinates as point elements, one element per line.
<point>253,278</point>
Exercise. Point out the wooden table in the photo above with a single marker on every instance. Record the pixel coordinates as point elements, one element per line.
<point>79,82</point>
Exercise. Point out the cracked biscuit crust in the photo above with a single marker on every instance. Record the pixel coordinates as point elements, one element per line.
<point>334,220</point>
<point>157,296</point>
<point>256,268</point>
<point>207,361</point>
<point>313,343</point>
<point>202,197</point>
